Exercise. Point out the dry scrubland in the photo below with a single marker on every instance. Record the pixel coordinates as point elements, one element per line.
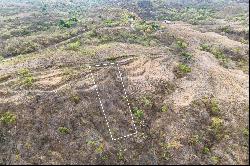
<point>187,81</point>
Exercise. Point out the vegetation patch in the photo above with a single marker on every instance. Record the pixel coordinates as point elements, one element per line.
<point>182,69</point>
<point>189,14</point>
<point>74,46</point>
<point>138,113</point>
<point>68,23</point>
<point>186,55</point>
<point>64,130</point>
<point>164,108</point>
<point>218,54</point>
<point>8,118</point>
<point>181,44</point>
<point>26,77</point>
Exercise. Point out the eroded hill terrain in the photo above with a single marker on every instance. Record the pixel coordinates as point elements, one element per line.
<point>169,79</point>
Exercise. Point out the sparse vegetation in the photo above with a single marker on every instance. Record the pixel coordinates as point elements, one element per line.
<point>74,46</point>
<point>187,56</point>
<point>164,108</point>
<point>183,68</point>
<point>206,150</point>
<point>64,130</point>
<point>75,98</point>
<point>245,132</point>
<point>8,118</point>
<point>100,148</point>
<point>214,107</point>
<point>189,14</point>
<point>26,77</point>
<point>217,126</point>
<point>215,160</point>
<point>194,140</point>
<point>146,101</point>
<point>181,44</point>
<point>57,106</point>
<point>138,113</point>
<point>218,54</point>
<point>225,29</point>
<point>68,23</point>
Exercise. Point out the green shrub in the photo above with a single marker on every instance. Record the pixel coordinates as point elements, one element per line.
<point>146,101</point>
<point>28,81</point>
<point>164,108</point>
<point>68,23</point>
<point>138,113</point>
<point>206,150</point>
<point>147,27</point>
<point>64,130</point>
<point>215,159</point>
<point>184,68</point>
<point>214,106</point>
<point>24,72</point>
<point>217,124</point>
<point>186,55</point>
<point>218,54</point>
<point>74,46</point>
<point>75,98</point>
<point>205,47</point>
<point>8,118</point>
<point>225,29</point>
<point>181,44</point>
<point>194,140</point>
<point>111,23</point>
<point>189,14</point>
<point>100,148</point>
<point>26,77</point>
<point>245,132</point>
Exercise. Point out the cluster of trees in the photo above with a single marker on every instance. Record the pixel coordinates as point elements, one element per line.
<point>68,23</point>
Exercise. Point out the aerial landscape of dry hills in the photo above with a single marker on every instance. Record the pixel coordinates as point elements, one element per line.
<point>145,82</point>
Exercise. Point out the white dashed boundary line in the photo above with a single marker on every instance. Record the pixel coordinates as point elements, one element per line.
<point>97,92</point>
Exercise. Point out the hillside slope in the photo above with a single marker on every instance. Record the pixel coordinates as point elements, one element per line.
<point>66,93</point>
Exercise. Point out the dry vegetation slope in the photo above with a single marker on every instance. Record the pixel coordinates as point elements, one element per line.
<point>189,99</point>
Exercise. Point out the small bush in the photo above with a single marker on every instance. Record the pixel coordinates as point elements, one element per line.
<point>205,47</point>
<point>181,70</point>
<point>68,23</point>
<point>64,130</point>
<point>225,29</point>
<point>146,101</point>
<point>8,118</point>
<point>24,72</point>
<point>206,150</point>
<point>164,108</point>
<point>186,55</point>
<point>195,139</point>
<point>245,132</point>
<point>181,44</point>
<point>214,106</point>
<point>184,68</point>
<point>100,148</point>
<point>26,77</point>
<point>28,81</point>
<point>111,23</point>
<point>138,113</point>
<point>215,159</point>
<point>217,123</point>
<point>74,46</point>
<point>75,98</point>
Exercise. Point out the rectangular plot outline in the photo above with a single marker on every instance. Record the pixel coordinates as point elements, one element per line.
<point>103,111</point>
